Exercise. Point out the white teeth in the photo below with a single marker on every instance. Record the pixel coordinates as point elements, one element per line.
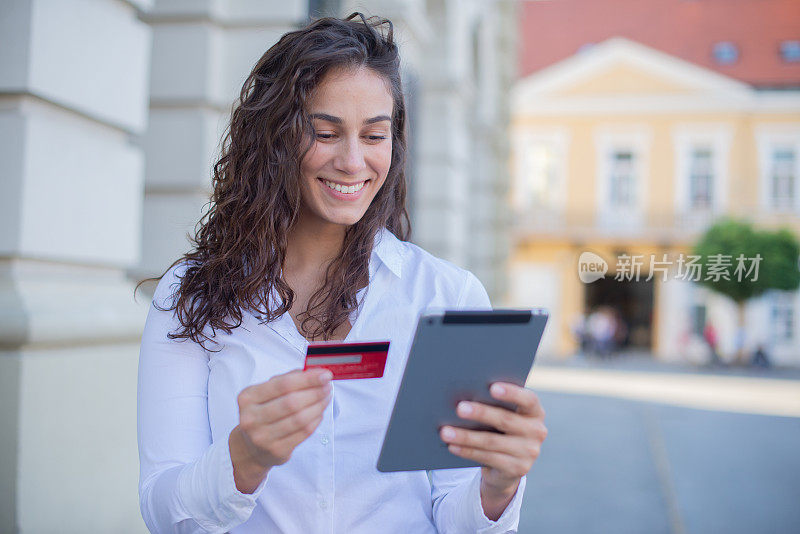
<point>347,189</point>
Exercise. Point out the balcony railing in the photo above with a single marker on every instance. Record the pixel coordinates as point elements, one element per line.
<point>667,227</point>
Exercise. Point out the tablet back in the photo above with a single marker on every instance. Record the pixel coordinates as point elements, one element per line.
<point>455,356</point>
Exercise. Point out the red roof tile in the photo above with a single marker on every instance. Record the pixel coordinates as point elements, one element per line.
<point>552,30</point>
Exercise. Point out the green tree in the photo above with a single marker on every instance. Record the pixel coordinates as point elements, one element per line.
<point>731,239</point>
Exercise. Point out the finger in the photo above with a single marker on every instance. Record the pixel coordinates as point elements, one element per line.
<point>286,383</point>
<point>504,463</point>
<point>526,400</point>
<point>502,419</point>
<point>491,441</point>
<point>282,384</point>
<point>283,448</point>
<point>290,403</point>
<point>296,438</point>
<point>296,421</point>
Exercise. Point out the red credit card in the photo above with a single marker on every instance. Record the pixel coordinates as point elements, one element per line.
<point>348,360</point>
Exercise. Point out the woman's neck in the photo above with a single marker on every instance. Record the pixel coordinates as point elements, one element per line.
<point>312,244</point>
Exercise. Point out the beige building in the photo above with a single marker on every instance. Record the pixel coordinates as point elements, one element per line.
<point>627,152</point>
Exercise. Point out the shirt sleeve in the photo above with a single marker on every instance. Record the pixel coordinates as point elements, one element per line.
<point>186,482</point>
<point>456,493</point>
<point>457,507</point>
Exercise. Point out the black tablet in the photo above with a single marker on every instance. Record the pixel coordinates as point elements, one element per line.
<point>455,356</point>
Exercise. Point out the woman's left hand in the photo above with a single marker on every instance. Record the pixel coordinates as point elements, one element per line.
<point>506,457</point>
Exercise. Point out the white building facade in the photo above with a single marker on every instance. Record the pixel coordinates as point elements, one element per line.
<point>111,113</point>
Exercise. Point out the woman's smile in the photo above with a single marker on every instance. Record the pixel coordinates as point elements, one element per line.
<point>344,190</point>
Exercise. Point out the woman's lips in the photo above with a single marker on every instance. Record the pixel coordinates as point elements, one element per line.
<point>343,196</point>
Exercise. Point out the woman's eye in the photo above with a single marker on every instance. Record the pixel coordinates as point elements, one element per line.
<point>371,138</point>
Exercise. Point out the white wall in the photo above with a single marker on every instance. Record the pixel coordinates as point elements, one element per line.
<point>73,78</point>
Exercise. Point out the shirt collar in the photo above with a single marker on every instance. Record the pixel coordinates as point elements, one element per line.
<point>389,250</point>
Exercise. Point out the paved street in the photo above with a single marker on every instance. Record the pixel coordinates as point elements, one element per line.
<point>616,465</point>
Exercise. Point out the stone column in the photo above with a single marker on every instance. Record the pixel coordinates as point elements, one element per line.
<point>494,63</point>
<point>460,57</point>
<point>444,145</point>
<point>73,92</point>
<point>202,53</point>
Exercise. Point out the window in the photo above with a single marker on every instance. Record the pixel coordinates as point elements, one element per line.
<point>779,166</point>
<point>538,181</point>
<point>621,191</point>
<point>702,154</point>
<point>622,168</point>
<point>783,178</point>
<point>701,179</point>
<point>783,321</point>
<point>790,51</point>
<point>725,53</point>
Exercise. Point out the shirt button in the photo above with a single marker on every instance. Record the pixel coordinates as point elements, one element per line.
<point>324,439</point>
<point>323,505</point>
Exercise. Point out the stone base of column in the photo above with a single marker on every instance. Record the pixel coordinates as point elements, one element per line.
<point>69,347</point>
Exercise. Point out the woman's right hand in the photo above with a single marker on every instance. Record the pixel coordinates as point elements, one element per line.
<point>274,418</point>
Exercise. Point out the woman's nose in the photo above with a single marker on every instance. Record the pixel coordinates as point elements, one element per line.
<point>350,158</point>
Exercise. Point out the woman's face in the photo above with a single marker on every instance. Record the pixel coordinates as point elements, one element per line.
<point>350,157</point>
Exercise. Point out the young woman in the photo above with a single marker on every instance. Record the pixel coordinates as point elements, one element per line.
<point>305,240</point>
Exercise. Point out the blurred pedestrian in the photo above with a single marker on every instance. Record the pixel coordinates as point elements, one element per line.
<point>601,329</point>
<point>760,357</point>
<point>710,336</point>
<point>620,330</point>
<point>580,332</point>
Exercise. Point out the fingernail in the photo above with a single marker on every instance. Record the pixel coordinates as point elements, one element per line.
<point>325,377</point>
<point>465,408</point>
<point>497,389</point>
<point>448,433</point>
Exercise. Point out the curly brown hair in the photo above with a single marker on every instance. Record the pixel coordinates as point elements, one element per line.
<point>239,246</point>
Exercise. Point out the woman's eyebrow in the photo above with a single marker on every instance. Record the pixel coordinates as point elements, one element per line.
<point>337,120</point>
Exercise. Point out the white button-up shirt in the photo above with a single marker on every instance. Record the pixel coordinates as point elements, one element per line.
<point>187,407</point>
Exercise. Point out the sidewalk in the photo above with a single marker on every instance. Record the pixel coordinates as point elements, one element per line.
<point>638,377</point>
<point>644,361</point>
<point>633,448</point>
